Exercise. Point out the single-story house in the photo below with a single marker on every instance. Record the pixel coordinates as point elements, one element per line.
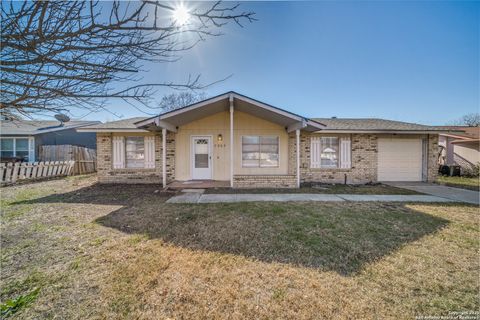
<point>460,146</point>
<point>21,139</point>
<point>247,143</point>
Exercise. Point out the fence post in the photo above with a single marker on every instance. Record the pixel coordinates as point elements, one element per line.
<point>16,167</point>
<point>2,172</point>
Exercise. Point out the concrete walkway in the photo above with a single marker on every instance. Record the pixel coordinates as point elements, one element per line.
<point>199,197</point>
<point>455,194</point>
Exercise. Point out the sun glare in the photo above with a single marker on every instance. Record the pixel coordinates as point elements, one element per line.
<point>181,15</point>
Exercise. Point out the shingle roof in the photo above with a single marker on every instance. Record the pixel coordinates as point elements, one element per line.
<point>334,124</point>
<point>33,127</point>
<point>119,124</point>
<point>372,124</point>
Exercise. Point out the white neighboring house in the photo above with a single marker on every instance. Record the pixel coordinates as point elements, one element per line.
<point>461,146</point>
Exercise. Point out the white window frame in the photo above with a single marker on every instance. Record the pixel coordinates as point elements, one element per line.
<point>259,162</point>
<point>337,166</point>
<point>31,146</point>
<point>344,161</point>
<point>126,158</point>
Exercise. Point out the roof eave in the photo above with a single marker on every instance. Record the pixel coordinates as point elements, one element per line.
<point>110,130</point>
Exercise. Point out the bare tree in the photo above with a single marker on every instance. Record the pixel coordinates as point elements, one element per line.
<point>63,54</point>
<point>178,100</point>
<point>470,120</point>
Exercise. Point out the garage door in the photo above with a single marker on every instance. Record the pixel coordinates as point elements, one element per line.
<point>399,159</point>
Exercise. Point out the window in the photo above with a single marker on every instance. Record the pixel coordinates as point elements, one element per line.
<point>135,152</point>
<point>260,151</point>
<point>21,148</point>
<point>7,148</point>
<point>329,152</point>
<point>15,148</point>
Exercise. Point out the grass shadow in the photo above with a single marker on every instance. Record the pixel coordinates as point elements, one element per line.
<point>340,237</point>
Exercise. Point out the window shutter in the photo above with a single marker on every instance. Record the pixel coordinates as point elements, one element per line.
<point>315,150</point>
<point>118,152</point>
<point>149,152</point>
<point>345,153</point>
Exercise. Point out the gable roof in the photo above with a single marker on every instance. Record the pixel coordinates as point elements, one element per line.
<point>178,117</point>
<point>181,116</point>
<point>35,127</point>
<point>112,126</point>
<point>373,125</point>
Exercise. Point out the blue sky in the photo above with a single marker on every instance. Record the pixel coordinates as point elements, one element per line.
<point>408,61</point>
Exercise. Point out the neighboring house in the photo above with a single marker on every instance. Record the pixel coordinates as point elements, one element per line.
<point>460,146</point>
<point>21,139</point>
<point>248,143</point>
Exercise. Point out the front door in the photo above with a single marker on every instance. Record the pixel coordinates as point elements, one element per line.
<point>201,158</point>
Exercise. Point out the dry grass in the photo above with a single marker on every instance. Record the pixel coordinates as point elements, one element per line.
<point>324,188</point>
<point>116,252</point>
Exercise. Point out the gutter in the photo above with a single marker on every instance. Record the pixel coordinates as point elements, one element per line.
<point>382,131</point>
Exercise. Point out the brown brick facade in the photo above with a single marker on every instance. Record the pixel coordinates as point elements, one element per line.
<point>364,159</point>
<point>265,181</point>
<point>106,173</point>
<point>432,169</point>
<point>364,163</point>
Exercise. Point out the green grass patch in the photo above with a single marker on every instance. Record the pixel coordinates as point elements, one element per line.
<point>11,306</point>
<point>470,183</point>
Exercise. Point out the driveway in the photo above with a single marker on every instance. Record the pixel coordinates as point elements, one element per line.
<point>457,194</point>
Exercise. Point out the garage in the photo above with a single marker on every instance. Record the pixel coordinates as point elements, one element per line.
<point>400,159</point>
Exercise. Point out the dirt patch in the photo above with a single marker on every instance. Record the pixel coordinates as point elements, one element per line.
<point>321,189</point>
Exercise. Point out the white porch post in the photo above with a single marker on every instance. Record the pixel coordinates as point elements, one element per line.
<point>297,133</point>
<point>231,141</point>
<point>164,157</point>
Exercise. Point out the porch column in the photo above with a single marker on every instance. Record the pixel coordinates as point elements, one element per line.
<point>231,141</point>
<point>297,133</point>
<point>164,157</point>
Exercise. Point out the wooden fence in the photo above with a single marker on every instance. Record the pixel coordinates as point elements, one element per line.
<point>12,172</point>
<point>85,158</point>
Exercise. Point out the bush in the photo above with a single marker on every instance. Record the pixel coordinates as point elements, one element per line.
<point>472,172</point>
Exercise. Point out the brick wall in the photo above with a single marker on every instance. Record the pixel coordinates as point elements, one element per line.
<point>432,170</point>
<point>364,160</point>
<point>106,173</point>
<point>363,170</point>
<point>265,181</point>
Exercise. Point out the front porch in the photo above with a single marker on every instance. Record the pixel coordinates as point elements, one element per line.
<point>231,139</point>
<point>239,182</point>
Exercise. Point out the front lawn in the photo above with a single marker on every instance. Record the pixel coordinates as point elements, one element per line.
<point>325,188</point>
<point>75,250</point>
<point>472,183</point>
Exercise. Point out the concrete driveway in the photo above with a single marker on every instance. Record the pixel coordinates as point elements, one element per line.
<point>455,194</point>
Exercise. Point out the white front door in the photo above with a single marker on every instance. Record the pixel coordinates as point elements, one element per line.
<point>201,158</point>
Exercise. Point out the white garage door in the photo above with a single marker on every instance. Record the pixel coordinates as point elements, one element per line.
<point>399,159</point>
